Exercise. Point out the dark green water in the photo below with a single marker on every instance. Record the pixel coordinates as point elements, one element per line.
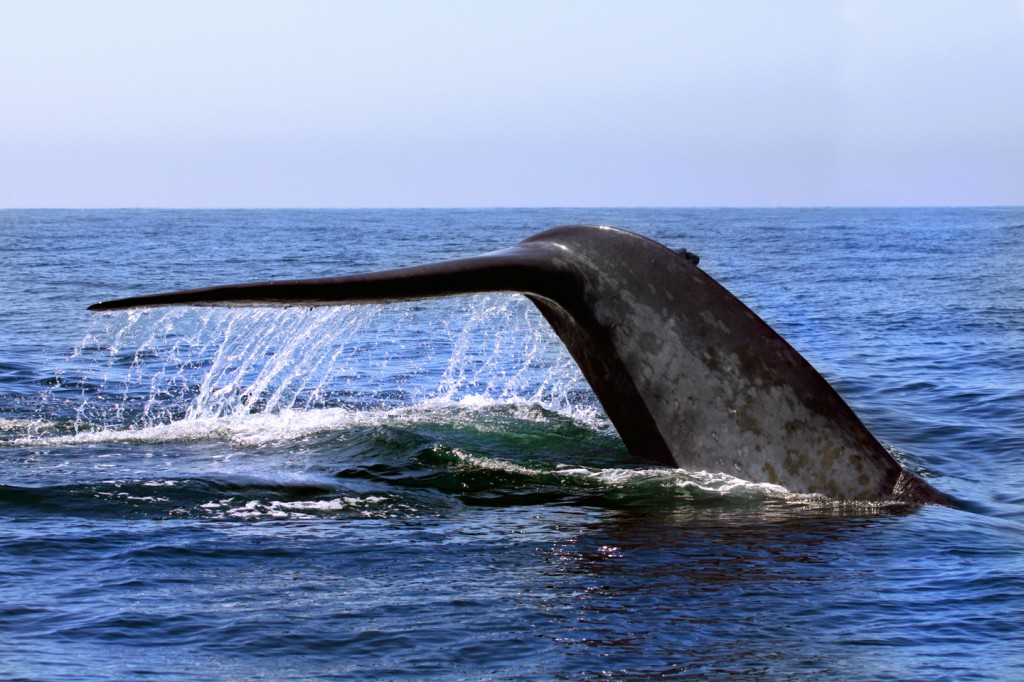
<point>430,490</point>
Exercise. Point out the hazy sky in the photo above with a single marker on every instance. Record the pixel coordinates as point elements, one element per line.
<point>485,103</point>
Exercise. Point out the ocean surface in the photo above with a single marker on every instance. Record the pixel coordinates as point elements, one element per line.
<point>430,489</point>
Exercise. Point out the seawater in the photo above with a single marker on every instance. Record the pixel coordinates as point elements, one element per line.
<point>430,489</point>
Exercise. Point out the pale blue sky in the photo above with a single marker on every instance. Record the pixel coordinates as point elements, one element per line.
<point>553,103</point>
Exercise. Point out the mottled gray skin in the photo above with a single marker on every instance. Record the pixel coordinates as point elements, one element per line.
<point>688,375</point>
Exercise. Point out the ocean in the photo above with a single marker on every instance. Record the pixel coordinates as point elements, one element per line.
<point>430,490</point>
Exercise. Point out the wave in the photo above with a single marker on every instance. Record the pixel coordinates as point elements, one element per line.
<point>405,463</point>
<point>438,481</point>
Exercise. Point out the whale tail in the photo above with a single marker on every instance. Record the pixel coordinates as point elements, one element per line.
<point>687,373</point>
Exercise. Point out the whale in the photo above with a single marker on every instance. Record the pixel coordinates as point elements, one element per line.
<point>688,375</point>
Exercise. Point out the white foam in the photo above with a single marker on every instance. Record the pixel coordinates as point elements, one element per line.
<point>27,426</point>
<point>371,506</point>
<point>692,481</point>
<point>261,428</point>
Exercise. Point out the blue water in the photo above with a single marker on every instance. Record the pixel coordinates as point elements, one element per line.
<point>430,490</point>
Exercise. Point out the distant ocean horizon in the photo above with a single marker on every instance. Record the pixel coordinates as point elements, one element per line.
<point>691,207</point>
<point>430,490</point>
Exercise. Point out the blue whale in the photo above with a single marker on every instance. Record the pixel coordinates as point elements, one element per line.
<point>689,376</point>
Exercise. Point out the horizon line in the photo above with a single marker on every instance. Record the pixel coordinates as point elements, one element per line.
<point>508,208</point>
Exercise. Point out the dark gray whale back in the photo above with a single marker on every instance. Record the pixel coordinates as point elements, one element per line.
<point>688,375</point>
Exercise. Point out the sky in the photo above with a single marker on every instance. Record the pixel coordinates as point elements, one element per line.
<point>448,103</point>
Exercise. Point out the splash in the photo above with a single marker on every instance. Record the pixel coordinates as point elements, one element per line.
<point>236,373</point>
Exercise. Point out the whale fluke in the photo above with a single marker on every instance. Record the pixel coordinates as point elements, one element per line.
<point>688,375</point>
